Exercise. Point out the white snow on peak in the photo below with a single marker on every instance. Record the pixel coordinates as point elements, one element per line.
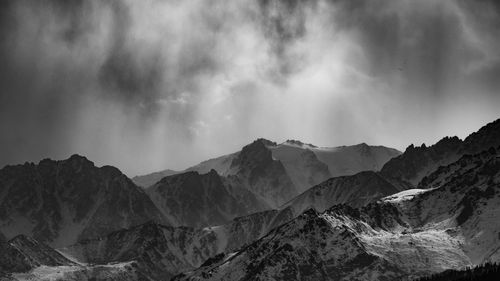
<point>298,144</point>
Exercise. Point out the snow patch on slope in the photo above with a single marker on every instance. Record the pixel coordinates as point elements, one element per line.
<point>404,195</point>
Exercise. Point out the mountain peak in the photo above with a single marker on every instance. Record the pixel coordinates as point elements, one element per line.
<point>448,143</point>
<point>299,143</point>
<point>77,157</point>
<point>265,142</point>
<point>253,155</point>
<point>363,148</point>
<point>74,160</point>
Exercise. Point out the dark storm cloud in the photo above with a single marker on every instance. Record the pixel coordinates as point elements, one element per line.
<point>152,84</point>
<point>283,23</point>
<point>422,41</point>
<point>125,73</point>
<point>483,17</point>
<point>33,108</point>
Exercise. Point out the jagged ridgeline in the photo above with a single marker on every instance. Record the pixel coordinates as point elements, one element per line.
<point>417,162</point>
<point>62,202</point>
<point>289,211</point>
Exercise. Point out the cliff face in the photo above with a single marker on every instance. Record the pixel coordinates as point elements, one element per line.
<point>255,169</point>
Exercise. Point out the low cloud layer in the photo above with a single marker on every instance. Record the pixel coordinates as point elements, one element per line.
<point>148,85</point>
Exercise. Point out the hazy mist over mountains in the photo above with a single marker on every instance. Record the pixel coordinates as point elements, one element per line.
<point>158,84</point>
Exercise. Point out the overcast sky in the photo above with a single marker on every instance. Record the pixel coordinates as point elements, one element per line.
<point>148,85</point>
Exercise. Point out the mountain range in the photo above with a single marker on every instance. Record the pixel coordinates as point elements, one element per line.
<point>262,176</point>
<point>289,211</point>
<point>409,234</point>
<point>306,164</point>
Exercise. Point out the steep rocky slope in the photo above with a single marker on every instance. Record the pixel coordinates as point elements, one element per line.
<point>23,258</point>
<point>301,164</point>
<point>60,202</point>
<point>191,199</point>
<point>356,191</point>
<point>157,251</point>
<point>255,169</point>
<point>23,253</point>
<point>450,224</point>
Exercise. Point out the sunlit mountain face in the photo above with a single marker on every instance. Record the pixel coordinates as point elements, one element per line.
<point>249,140</point>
